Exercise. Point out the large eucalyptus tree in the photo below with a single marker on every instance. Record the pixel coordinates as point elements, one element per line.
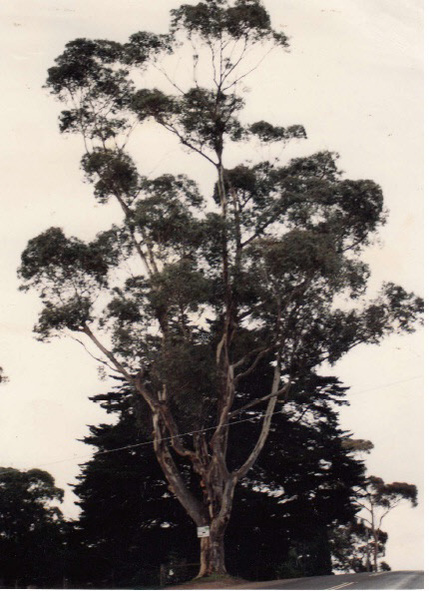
<point>265,274</point>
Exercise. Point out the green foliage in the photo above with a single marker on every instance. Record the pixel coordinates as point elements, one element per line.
<point>73,315</point>
<point>153,103</point>
<point>212,19</point>
<point>269,133</point>
<point>352,547</point>
<point>203,118</point>
<point>145,45</point>
<point>52,256</point>
<point>67,272</point>
<point>166,213</point>
<point>86,62</point>
<point>375,499</point>
<point>87,74</point>
<point>388,495</point>
<point>112,172</point>
<point>180,282</point>
<point>302,266</point>
<point>358,445</point>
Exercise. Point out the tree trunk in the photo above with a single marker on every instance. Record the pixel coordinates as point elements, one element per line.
<point>212,548</point>
<point>212,555</point>
<point>375,551</point>
<point>368,552</point>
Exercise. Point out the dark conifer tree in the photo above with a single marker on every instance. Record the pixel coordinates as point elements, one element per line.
<point>130,523</point>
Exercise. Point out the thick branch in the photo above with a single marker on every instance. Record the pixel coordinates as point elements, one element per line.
<point>246,357</point>
<point>152,267</point>
<point>192,506</point>
<point>248,464</point>
<point>163,409</point>
<point>253,365</point>
<point>108,354</point>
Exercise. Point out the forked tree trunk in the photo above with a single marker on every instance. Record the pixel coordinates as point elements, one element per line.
<point>215,511</point>
<point>218,483</point>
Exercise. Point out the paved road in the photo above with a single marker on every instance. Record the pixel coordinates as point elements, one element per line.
<point>392,580</point>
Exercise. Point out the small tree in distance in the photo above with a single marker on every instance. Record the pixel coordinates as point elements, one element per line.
<point>352,547</point>
<point>3,377</point>
<point>377,499</point>
<point>190,298</point>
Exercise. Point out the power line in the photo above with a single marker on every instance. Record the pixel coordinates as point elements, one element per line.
<point>140,444</point>
<point>385,385</point>
<point>179,435</point>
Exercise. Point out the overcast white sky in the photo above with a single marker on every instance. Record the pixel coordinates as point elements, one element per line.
<point>353,78</point>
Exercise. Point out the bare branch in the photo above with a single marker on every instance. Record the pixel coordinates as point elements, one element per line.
<point>366,521</point>
<point>228,72</point>
<point>168,78</point>
<point>98,359</point>
<point>301,416</point>
<point>246,357</point>
<point>362,505</point>
<point>187,143</point>
<point>253,365</point>
<point>259,400</point>
<point>234,83</point>
<point>213,63</point>
<point>162,408</point>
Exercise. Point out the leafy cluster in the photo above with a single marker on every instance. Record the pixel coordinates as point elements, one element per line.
<point>388,495</point>
<point>213,19</point>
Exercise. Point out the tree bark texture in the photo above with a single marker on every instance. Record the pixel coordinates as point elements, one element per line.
<point>212,556</point>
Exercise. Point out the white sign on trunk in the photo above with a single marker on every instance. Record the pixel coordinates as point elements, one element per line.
<point>203,531</point>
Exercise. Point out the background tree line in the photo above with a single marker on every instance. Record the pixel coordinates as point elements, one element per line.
<point>295,516</point>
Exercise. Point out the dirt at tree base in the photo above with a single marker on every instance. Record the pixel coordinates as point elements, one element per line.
<point>210,583</point>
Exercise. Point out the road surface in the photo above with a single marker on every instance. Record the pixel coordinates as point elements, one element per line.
<point>391,580</point>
